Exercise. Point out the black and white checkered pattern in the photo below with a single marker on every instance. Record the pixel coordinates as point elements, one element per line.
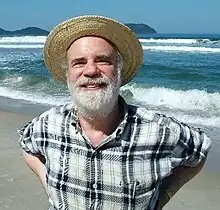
<point>124,171</point>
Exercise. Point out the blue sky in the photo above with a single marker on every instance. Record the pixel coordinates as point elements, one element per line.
<point>166,16</point>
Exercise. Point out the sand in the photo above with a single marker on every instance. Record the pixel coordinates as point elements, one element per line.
<point>20,188</point>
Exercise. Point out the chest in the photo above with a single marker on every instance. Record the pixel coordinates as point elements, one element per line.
<point>123,173</point>
<point>119,174</point>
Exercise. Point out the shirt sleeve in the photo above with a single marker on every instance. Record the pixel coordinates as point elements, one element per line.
<point>27,140</point>
<point>192,146</point>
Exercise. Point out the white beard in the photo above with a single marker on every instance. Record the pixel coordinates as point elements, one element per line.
<point>95,103</point>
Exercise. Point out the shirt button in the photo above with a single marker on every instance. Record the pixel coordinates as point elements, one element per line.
<point>94,186</point>
<point>95,153</point>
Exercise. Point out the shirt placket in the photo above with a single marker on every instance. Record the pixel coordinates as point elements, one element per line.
<point>95,180</point>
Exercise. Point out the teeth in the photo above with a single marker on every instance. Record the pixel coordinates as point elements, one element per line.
<point>92,86</point>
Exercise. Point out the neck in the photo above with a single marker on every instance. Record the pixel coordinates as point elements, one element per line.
<point>105,124</point>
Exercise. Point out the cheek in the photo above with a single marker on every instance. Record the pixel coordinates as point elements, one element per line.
<point>109,71</point>
<point>73,75</point>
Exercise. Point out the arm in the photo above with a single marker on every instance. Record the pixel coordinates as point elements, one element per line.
<point>36,164</point>
<point>191,147</point>
<point>171,184</point>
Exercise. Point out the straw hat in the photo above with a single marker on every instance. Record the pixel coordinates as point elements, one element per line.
<point>64,34</point>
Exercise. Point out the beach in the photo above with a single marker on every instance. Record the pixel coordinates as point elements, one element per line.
<point>21,190</point>
<point>180,77</point>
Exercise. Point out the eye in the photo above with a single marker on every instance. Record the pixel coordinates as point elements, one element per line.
<point>78,64</point>
<point>103,61</point>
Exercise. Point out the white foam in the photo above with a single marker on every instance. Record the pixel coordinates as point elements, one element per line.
<point>176,99</point>
<point>192,106</point>
<point>156,96</point>
<point>182,49</point>
<point>169,41</point>
<point>10,80</point>
<point>34,98</point>
<point>213,121</point>
<point>22,46</point>
<point>23,39</point>
<point>200,103</point>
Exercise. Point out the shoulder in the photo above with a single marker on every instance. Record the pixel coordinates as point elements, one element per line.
<point>55,114</point>
<point>177,133</point>
<point>156,124</point>
<point>43,127</point>
<point>61,110</point>
<point>150,116</point>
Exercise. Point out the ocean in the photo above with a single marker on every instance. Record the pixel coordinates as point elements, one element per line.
<point>180,77</point>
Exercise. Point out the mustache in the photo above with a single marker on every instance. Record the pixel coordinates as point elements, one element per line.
<point>98,81</point>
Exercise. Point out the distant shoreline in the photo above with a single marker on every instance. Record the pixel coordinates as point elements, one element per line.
<point>35,31</point>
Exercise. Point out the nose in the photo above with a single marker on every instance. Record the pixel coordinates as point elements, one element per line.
<point>91,70</point>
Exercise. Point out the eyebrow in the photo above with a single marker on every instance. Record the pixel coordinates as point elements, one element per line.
<point>104,57</point>
<point>76,60</point>
<point>82,59</point>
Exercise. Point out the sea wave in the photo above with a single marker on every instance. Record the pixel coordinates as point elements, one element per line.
<point>175,99</point>
<point>36,97</point>
<point>182,49</point>
<point>42,39</point>
<point>179,41</point>
<point>21,46</point>
<point>192,106</point>
<point>202,45</point>
<point>151,48</point>
<point>169,41</point>
<point>196,119</point>
<point>186,100</point>
<point>23,39</point>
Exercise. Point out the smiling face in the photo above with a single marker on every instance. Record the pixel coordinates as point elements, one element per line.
<point>93,77</point>
<point>91,57</point>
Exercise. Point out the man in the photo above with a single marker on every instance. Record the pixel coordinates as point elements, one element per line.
<point>98,152</point>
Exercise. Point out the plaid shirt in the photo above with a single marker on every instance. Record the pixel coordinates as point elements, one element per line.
<point>124,171</point>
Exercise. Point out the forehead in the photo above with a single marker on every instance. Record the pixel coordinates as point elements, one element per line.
<point>91,44</point>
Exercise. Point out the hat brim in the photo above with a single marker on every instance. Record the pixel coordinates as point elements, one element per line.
<point>64,34</point>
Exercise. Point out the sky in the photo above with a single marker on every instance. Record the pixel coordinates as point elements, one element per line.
<point>165,16</point>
